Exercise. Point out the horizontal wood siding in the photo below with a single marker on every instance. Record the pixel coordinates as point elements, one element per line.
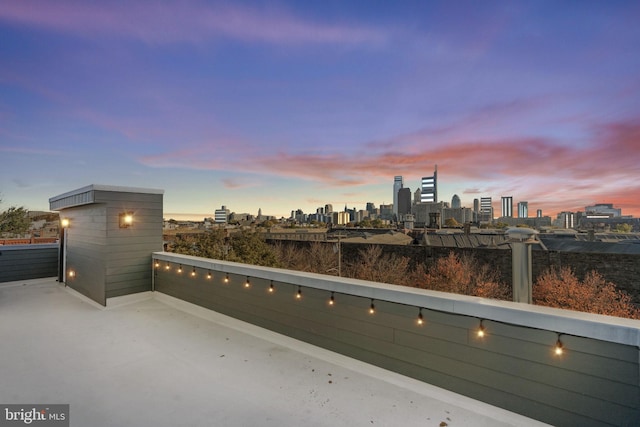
<point>595,383</point>
<point>25,262</point>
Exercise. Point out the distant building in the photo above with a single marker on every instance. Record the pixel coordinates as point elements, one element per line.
<point>476,205</point>
<point>371,207</point>
<point>486,210</point>
<point>397,185</point>
<point>507,206</point>
<point>429,192</point>
<point>221,216</point>
<point>417,196</point>
<point>386,212</point>
<point>404,203</point>
<point>424,213</point>
<point>565,220</point>
<point>461,215</point>
<point>602,210</point>
<point>539,213</point>
<point>523,209</point>
<point>455,202</point>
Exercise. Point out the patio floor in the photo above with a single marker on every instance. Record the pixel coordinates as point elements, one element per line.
<point>151,360</point>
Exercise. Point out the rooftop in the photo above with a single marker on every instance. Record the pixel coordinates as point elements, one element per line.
<point>151,360</point>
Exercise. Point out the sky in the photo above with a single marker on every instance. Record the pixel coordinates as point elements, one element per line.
<point>286,105</point>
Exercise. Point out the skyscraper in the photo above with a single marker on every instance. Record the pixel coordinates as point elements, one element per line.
<point>455,202</point>
<point>507,206</point>
<point>404,203</point>
<point>430,188</point>
<point>486,209</point>
<point>397,185</point>
<point>523,209</point>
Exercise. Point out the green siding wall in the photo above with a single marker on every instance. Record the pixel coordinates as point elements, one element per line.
<point>594,383</point>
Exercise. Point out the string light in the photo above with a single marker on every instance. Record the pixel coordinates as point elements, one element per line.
<point>167,266</point>
<point>180,269</point>
<point>157,264</point>
<point>271,287</point>
<point>332,300</point>
<point>209,274</point>
<point>559,348</point>
<point>247,284</point>
<point>299,293</point>
<point>226,278</point>
<point>481,330</point>
<point>372,307</point>
<point>420,318</point>
<point>193,272</point>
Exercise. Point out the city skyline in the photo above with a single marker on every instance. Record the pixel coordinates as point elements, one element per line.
<point>294,106</point>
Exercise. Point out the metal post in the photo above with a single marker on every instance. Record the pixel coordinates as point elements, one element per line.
<point>61,255</point>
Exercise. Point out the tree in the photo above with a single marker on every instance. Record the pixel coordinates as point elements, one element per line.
<point>624,228</point>
<point>452,223</point>
<point>372,265</point>
<point>561,288</point>
<point>14,220</point>
<point>462,275</point>
<point>316,258</point>
<point>249,247</point>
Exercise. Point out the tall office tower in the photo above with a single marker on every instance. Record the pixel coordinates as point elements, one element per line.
<point>398,183</point>
<point>486,209</point>
<point>417,196</point>
<point>476,205</point>
<point>523,209</point>
<point>507,206</point>
<point>328,209</point>
<point>371,207</point>
<point>221,215</point>
<point>539,213</point>
<point>430,188</point>
<point>404,203</point>
<point>455,202</point>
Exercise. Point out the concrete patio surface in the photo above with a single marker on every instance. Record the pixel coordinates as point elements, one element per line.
<point>152,360</point>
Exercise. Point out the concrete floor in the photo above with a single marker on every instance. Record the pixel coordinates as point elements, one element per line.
<point>151,360</point>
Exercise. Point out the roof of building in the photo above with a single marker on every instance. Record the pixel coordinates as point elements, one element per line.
<point>148,359</point>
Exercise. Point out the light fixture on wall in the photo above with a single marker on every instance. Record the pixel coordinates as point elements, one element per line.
<point>481,330</point>
<point>64,222</point>
<point>71,274</point>
<point>125,219</point>
<point>558,350</point>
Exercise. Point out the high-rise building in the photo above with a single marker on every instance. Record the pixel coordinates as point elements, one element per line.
<point>221,216</point>
<point>603,210</point>
<point>398,183</point>
<point>430,188</point>
<point>328,209</point>
<point>523,209</point>
<point>404,203</point>
<point>455,202</point>
<point>539,213</point>
<point>417,196</point>
<point>371,207</point>
<point>476,205</point>
<point>486,209</point>
<point>507,206</point>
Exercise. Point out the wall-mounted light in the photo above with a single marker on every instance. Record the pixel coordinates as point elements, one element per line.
<point>64,222</point>
<point>481,330</point>
<point>71,274</point>
<point>559,348</point>
<point>125,219</point>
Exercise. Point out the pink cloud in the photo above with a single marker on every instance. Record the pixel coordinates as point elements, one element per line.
<point>168,22</point>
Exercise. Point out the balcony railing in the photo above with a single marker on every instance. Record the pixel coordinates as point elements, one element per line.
<point>557,366</point>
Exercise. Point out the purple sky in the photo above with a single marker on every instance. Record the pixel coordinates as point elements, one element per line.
<point>286,105</point>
